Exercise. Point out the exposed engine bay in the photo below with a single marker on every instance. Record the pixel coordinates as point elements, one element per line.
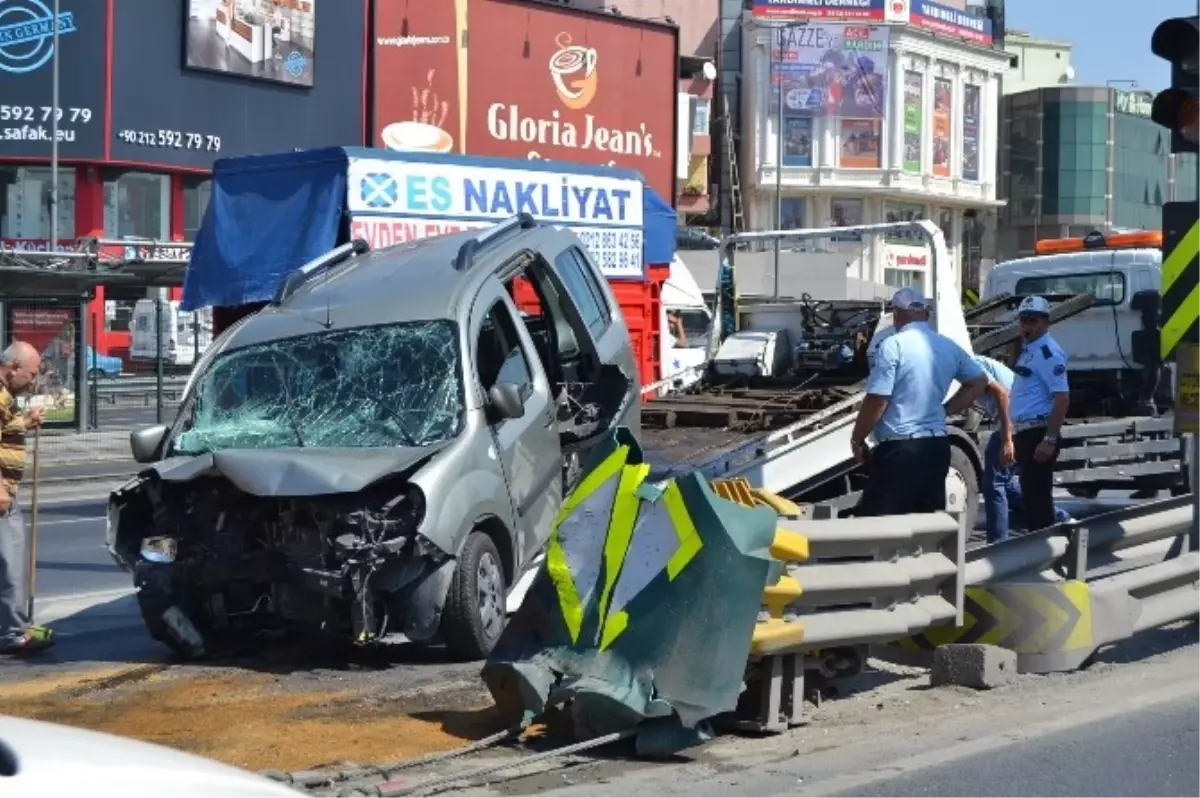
<point>210,560</point>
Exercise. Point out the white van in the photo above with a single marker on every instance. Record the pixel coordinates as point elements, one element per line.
<point>681,359</point>
<point>1107,355</point>
<point>185,334</point>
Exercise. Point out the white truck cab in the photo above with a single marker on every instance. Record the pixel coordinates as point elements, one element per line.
<point>681,297</point>
<point>1124,273</point>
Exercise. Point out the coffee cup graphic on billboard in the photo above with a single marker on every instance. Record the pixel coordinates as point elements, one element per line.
<point>423,133</point>
<point>573,69</point>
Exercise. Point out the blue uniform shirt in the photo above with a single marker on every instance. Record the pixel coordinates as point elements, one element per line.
<point>914,369</point>
<point>1040,373</point>
<point>996,372</point>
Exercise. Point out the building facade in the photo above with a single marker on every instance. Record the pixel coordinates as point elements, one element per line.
<point>1036,63</point>
<point>1080,158</point>
<point>908,135</point>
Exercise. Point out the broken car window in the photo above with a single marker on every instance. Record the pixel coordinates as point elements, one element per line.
<point>389,385</point>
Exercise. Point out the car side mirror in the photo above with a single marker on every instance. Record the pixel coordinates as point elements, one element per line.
<point>145,442</point>
<point>504,400</point>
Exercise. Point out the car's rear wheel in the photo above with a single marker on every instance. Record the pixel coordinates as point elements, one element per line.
<point>474,615</point>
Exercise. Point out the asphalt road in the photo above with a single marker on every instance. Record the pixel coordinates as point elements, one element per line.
<point>1150,751</point>
<point>127,415</point>
<point>71,558</point>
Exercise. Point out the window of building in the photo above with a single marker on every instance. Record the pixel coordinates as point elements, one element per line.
<point>701,118</point>
<point>846,213</point>
<point>196,195</point>
<point>137,205</point>
<point>904,278</point>
<point>1074,175</point>
<point>791,213</point>
<point>1107,287</point>
<point>903,212</point>
<point>584,290</point>
<point>25,202</point>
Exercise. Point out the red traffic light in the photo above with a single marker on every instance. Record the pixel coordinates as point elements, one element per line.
<point>1178,110</point>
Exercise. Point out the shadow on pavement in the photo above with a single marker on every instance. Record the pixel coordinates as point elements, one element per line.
<point>1151,643</point>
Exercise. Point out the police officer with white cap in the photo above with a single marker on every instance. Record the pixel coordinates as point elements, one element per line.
<point>1038,403</point>
<point>911,373</point>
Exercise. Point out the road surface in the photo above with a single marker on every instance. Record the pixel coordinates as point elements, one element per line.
<point>71,556</point>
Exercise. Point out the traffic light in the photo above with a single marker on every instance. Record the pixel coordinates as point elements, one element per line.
<point>1176,40</point>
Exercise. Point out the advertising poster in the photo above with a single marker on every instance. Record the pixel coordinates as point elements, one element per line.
<point>26,75</point>
<point>970,156</point>
<point>51,331</point>
<point>831,70</point>
<point>394,201</point>
<point>914,107</point>
<point>166,113</point>
<point>860,143</point>
<point>941,127</point>
<point>265,41</point>
<point>797,141</point>
<point>538,83</point>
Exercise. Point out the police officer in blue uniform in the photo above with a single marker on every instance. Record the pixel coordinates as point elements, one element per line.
<point>903,410</point>
<point>1001,486</point>
<point>1039,402</point>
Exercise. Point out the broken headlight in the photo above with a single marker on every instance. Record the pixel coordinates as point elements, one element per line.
<point>159,549</point>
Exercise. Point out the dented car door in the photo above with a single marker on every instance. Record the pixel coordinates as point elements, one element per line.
<point>527,445</point>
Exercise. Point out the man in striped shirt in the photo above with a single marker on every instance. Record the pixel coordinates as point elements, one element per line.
<point>19,365</point>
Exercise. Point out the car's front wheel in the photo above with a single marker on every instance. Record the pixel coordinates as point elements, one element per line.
<point>474,614</point>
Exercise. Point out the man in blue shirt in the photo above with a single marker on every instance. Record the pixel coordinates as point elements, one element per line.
<point>1001,487</point>
<point>910,377</point>
<point>1038,404</point>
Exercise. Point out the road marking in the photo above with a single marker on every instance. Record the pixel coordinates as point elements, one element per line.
<point>90,518</point>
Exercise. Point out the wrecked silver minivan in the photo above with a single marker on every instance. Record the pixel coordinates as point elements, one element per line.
<point>382,449</point>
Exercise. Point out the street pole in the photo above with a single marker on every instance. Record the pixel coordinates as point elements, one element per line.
<point>54,133</point>
<point>778,157</point>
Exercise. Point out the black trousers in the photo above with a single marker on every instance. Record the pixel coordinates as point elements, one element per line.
<point>1037,479</point>
<point>906,476</point>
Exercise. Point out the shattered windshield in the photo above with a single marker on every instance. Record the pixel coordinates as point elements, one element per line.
<point>390,385</point>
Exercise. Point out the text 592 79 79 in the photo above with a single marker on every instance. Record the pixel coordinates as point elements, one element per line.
<point>172,139</point>
<point>42,113</point>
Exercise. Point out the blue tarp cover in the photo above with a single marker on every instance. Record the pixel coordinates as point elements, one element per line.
<point>270,214</point>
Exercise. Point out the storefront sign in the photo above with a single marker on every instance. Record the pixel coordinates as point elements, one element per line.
<point>1133,102</point>
<point>872,10</point>
<point>914,111</point>
<point>393,201</point>
<point>831,70</point>
<point>943,116</point>
<point>26,74</point>
<point>166,114</point>
<point>539,83</point>
<point>946,20</point>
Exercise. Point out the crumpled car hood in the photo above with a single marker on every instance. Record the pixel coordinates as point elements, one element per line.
<point>294,471</point>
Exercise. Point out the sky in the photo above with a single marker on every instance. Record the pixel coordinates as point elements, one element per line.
<point>1111,38</point>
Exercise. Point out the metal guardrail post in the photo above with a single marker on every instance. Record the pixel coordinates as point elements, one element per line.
<point>158,358</point>
<point>1077,554</point>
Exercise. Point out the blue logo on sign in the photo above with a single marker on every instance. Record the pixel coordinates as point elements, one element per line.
<point>379,190</point>
<point>296,63</point>
<point>27,35</point>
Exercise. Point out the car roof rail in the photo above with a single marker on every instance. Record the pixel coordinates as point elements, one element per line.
<point>466,253</point>
<point>319,264</point>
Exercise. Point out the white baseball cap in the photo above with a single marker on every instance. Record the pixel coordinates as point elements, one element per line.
<point>909,299</point>
<point>1034,306</point>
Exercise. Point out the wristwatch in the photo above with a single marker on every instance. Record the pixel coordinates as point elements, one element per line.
<point>1050,439</point>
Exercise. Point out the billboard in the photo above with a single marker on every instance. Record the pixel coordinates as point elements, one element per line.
<point>274,41</point>
<point>946,20</point>
<point>537,82</point>
<point>914,112</point>
<point>857,10</point>
<point>831,70</point>
<point>164,113</point>
<point>26,69</point>
<point>393,200</point>
<point>942,121</point>
<point>970,143</point>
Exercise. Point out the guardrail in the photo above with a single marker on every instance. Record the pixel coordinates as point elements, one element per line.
<point>132,387</point>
